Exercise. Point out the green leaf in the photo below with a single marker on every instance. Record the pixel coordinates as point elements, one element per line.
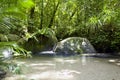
<point>26,4</point>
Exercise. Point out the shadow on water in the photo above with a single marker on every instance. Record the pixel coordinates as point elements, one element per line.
<point>78,67</point>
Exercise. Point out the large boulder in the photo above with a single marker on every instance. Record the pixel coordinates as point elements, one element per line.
<point>74,45</point>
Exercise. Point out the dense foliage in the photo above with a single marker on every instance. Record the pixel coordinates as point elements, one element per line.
<point>97,20</point>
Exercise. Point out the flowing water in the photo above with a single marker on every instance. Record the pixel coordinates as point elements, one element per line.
<point>67,68</point>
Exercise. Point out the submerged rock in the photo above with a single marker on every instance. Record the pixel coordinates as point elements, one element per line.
<point>74,45</point>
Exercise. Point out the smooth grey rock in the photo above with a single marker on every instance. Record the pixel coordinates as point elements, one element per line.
<point>74,45</point>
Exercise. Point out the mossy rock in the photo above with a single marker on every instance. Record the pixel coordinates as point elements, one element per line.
<point>73,45</point>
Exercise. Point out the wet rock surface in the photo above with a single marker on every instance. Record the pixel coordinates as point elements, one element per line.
<point>74,45</point>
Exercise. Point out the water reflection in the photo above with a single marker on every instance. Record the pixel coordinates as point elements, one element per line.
<point>112,60</point>
<point>83,60</point>
<point>67,68</point>
<point>64,61</point>
<point>55,75</point>
<point>42,64</point>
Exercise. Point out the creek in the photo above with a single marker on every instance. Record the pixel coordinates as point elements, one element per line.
<point>78,67</point>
